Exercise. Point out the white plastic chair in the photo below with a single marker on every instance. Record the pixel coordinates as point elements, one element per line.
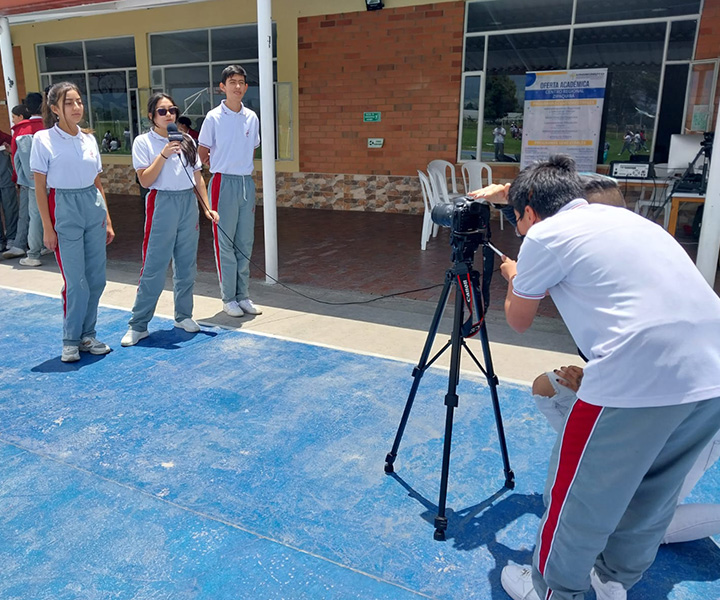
<point>427,194</point>
<point>476,175</point>
<point>437,170</point>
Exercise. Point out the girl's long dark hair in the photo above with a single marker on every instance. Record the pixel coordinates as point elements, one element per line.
<point>56,97</point>
<point>187,145</point>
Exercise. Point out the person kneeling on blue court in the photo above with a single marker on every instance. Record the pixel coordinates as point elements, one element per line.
<point>66,166</point>
<point>649,400</point>
<point>228,138</point>
<point>171,171</point>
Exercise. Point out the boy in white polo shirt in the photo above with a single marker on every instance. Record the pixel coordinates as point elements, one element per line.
<point>649,401</point>
<point>228,138</point>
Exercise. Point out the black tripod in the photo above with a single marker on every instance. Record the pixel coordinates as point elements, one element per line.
<point>467,293</point>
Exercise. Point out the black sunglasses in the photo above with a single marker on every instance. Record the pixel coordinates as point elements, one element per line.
<point>173,110</point>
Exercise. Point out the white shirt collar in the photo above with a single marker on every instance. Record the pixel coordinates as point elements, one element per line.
<point>228,111</point>
<point>65,134</point>
<point>577,203</point>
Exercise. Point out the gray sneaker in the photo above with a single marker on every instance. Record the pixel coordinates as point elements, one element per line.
<point>70,354</point>
<point>93,346</point>
<point>30,262</point>
<point>14,252</point>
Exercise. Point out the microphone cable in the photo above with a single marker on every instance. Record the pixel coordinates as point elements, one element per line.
<point>287,287</point>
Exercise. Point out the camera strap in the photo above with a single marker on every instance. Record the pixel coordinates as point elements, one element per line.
<point>471,326</point>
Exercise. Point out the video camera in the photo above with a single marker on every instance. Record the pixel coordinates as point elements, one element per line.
<point>469,223</point>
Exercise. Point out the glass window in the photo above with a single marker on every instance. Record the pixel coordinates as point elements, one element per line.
<point>633,56</point>
<point>475,53</point>
<point>111,53</point>
<point>493,15</point>
<point>61,57</point>
<point>682,40</point>
<point>156,75</point>
<point>238,43</point>
<point>509,58</point>
<point>179,48</point>
<point>132,78</point>
<point>190,88</point>
<point>590,11</point>
<point>470,117</point>
<point>110,110</point>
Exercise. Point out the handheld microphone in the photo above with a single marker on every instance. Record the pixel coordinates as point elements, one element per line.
<point>173,134</point>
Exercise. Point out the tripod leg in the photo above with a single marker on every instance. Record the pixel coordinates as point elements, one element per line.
<point>419,371</point>
<point>492,383</point>
<point>451,402</point>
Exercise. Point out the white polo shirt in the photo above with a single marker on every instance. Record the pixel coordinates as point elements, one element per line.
<point>68,161</point>
<point>176,174</point>
<point>231,138</point>
<point>633,301</point>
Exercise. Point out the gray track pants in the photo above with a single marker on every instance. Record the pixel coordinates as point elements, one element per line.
<point>171,233</point>
<point>233,197</point>
<point>613,483</point>
<point>80,221</point>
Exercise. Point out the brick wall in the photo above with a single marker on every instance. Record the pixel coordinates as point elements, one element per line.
<point>402,62</point>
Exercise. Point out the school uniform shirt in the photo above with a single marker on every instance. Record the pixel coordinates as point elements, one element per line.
<point>175,175</point>
<point>21,148</point>
<point>634,302</point>
<point>231,138</point>
<point>68,161</point>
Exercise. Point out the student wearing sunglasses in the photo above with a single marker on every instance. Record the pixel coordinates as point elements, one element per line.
<point>171,171</point>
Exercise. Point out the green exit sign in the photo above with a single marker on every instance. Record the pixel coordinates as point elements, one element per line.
<point>371,117</point>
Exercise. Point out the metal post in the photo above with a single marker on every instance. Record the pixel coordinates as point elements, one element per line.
<point>267,133</point>
<point>8,66</point>
<point>709,246</point>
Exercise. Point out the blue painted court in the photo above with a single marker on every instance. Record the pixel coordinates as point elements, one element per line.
<point>233,465</point>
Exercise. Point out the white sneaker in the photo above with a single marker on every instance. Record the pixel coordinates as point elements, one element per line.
<point>132,337</point>
<point>70,354</point>
<point>517,582</point>
<point>610,590</point>
<point>233,309</point>
<point>188,325</point>
<point>14,252</point>
<point>248,306</point>
<point>45,251</point>
<point>93,346</point>
<point>30,262</point>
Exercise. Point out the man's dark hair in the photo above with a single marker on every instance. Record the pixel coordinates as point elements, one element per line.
<point>546,186</point>
<point>185,121</point>
<point>231,70</point>
<point>33,101</point>
<point>601,189</point>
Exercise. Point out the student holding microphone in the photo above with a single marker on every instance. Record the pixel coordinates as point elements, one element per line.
<point>171,171</point>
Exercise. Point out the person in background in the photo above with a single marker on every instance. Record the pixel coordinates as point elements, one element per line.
<point>19,113</point>
<point>8,195</point>
<point>499,141</point>
<point>185,125</point>
<point>65,161</point>
<point>30,229</point>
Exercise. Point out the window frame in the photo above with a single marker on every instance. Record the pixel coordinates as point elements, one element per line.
<point>572,26</point>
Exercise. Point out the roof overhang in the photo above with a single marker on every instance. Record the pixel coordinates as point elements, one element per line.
<point>33,11</point>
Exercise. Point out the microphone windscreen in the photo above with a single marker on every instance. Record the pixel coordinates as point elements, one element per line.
<point>173,134</point>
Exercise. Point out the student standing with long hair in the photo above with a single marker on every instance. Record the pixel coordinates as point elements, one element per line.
<point>65,161</point>
<point>170,170</point>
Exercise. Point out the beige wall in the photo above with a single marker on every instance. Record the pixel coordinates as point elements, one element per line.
<point>214,13</point>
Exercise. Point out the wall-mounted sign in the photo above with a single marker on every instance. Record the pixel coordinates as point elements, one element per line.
<point>371,117</point>
<point>375,142</point>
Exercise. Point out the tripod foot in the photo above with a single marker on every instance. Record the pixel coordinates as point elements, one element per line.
<point>510,480</point>
<point>389,460</point>
<point>441,524</point>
